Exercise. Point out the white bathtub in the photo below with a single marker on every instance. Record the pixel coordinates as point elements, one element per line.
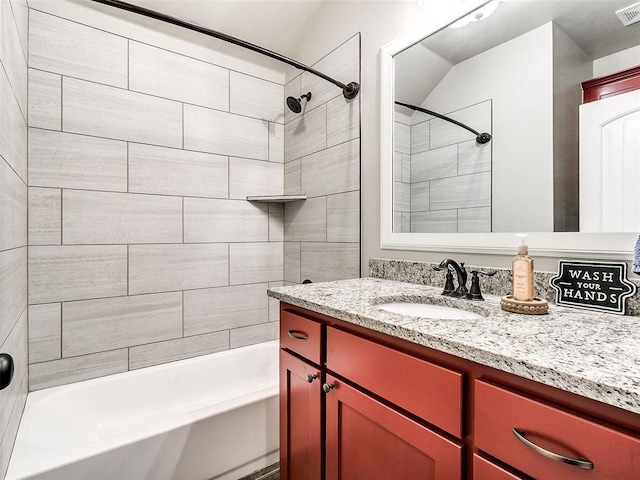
<point>214,416</point>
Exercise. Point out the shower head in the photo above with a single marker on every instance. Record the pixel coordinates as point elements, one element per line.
<point>294,103</point>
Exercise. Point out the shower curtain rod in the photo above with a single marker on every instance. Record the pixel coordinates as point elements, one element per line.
<point>349,90</point>
<point>481,138</point>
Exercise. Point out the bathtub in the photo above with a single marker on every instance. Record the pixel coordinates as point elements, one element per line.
<point>209,417</point>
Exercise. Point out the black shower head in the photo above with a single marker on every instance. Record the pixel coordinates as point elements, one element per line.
<point>294,103</point>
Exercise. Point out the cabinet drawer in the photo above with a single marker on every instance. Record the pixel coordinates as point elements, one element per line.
<point>485,470</point>
<point>498,412</point>
<point>301,335</point>
<point>429,391</point>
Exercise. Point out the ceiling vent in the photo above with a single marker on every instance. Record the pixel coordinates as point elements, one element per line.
<point>629,15</point>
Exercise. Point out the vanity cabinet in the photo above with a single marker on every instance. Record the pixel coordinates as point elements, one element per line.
<point>358,404</point>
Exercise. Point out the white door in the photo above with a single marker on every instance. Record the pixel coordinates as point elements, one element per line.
<point>610,164</point>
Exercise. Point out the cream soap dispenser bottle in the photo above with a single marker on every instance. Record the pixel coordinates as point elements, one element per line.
<point>523,273</point>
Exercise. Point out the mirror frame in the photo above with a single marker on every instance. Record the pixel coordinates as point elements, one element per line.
<point>612,246</point>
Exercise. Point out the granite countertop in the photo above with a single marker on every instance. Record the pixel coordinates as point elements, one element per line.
<point>595,355</point>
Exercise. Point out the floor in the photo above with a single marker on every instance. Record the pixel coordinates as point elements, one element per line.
<point>272,472</point>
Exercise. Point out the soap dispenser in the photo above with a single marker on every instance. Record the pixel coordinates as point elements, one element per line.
<point>523,273</point>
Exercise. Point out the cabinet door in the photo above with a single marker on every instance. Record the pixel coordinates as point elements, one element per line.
<point>300,419</point>
<point>367,440</point>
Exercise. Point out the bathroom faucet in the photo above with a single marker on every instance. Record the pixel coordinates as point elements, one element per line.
<point>461,273</point>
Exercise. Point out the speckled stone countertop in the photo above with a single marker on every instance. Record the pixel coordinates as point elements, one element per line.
<point>592,354</point>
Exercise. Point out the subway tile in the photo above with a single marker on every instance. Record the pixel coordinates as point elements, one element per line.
<point>264,332</point>
<point>119,218</point>
<point>464,191</point>
<point>292,262</point>
<point>167,268</point>
<point>343,64</point>
<point>10,433</point>
<point>13,130</point>
<point>93,326</point>
<point>397,166</point>
<point>16,392</point>
<point>321,262</point>
<point>212,220</point>
<point>401,196</point>
<point>256,98</point>
<point>419,197</point>
<point>343,217</point>
<point>142,356</point>
<point>406,168</point>
<point>171,75</point>
<point>21,16</point>
<point>343,120</point>
<point>276,222</point>
<point>45,332</point>
<point>224,133</point>
<point>61,46</point>
<point>61,273</point>
<point>306,134</point>
<point>334,170</point>
<point>216,309</point>
<point>292,178</point>
<point>66,160</point>
<point>401,138</point>
<point>45,100</point>
<point>306,221</point>
<point>12,56</point>
<point>109,112</point>
<point>169,171</point>
<point>473,158</point>
<point>274,304</point>
<point>397,221</point>
<point>440,221</point>
<point>419,137</point>
<point>476,116</point>
<point>255,262</point>
<point>13,208</point>
<point>254,177</point>
<point>474,220</point>
<point>276,142</point>
<point>76,369</point>
<point>13,288</point>
<point>434,164</point>
<point>45,216</point>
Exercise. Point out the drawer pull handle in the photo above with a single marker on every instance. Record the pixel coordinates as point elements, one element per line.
<point>327,387</point>
<point>311,378</point>
<point>577,462</point>
<point>298,335</point>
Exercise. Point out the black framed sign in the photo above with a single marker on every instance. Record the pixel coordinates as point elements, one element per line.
<point>599,286</point>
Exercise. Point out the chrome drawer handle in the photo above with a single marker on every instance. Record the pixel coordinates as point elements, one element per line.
<point>311,378</point>
<point>576,462</point>
<point>327,387</point>
<point>298,335</point>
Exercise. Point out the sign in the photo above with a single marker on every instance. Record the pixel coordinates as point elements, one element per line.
<point>598,286</point>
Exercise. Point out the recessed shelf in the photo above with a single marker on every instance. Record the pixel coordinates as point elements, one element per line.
<point>276,198</point>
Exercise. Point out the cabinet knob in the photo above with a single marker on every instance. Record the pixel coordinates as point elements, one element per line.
<point>311,378</point>
<point>327,387</point>
<point>576,462</point>
<point>6,370</point>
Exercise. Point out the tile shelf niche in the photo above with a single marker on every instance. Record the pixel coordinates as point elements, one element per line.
<point>276,198</point>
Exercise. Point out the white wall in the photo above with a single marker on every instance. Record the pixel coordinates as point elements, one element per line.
<point>615,62</point>
<point>521,87</point>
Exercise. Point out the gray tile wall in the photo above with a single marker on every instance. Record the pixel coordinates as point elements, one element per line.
<point>143,249</point>
<point>442,177</point>
<point>322,160</point>
<point>13,216</point>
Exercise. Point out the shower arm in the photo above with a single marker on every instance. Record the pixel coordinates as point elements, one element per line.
<point>481,138</point>
<point>349,90</point>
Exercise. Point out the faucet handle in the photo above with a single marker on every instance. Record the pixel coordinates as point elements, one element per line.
<point>448,284</point>
<point>474,292</point>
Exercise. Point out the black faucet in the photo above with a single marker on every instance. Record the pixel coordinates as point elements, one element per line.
<point>461,273</point>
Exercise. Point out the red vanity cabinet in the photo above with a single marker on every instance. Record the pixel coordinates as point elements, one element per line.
<point>609,85</point>
<point>385,408</point>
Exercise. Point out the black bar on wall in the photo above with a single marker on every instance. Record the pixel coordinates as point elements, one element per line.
<point>481,138</point>
<point>349,91</point>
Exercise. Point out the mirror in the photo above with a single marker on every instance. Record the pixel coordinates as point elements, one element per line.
<point>515,73</point>
<point>528,175</point>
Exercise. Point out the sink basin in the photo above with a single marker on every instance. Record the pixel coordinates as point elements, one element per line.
<point>427,310</point>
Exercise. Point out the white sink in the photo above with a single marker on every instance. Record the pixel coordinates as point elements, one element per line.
<point>427,310</point>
